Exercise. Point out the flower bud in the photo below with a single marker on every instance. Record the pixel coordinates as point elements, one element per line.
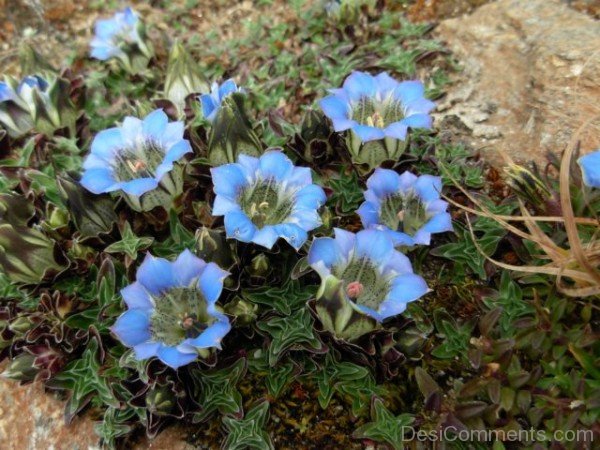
<point>183,77</point>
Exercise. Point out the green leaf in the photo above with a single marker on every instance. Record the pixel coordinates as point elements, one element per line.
<point>347,193</point>
<point>284,300</point>
<point>130,244</point>
<point>294,332</point>
<point>385,427</point>
<point>249,432</point>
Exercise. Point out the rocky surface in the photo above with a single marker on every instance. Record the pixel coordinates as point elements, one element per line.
<point>529,77</point>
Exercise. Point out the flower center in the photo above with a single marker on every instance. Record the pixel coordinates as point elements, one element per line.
<point>377,113</point>
<point>264,204</point>
<point>362,282</point>
<point>403,213</point>
<point>140,161</point>
<point>180,313</point>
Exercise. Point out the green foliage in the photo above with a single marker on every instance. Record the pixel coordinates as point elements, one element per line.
<point>248,433</point>
<point>385,427</point>
<point>130,244</point>
<point>455,336</point>
<point>347,193</point>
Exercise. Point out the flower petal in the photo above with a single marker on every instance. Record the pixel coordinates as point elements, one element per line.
<point>146,350</point>
<point>324,253</point>
<point>209,105</point>
<point>384,182</point>
<point>223,205</point>
<point>211,282</point>
<point>590,168</point>
<point>136,297</point>
<point>369,214</point>
<point>293,234</point>
<point>439,223</point>
<point>360,84</point>
<point>155,124</point>
<point>186,268</point>
<point>239,226</point>
<point>174,358</point>
<point>132,327</point>
<point>156,275</point>
<point>266,236</point>
<point>274,164</point>
<point>99,181</point>
<point>345,240</point>
<point>106,144</point>
<point>367,133</point>
<point>418,121</point>
<point>228,180</point>
<point>139,186</point>
<point>408,91</point>
<point>428,187</point>
<point>310,197</point>
<point>418,106</point>
<point>212,336</point>
<point>374,244</point>
<point>335,108</point>
<point>397,130</point>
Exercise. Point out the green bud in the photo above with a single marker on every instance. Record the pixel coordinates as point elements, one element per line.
<point>338,314</point>
<point>20,325</point>
<point>232,133</point>
<point>244,311</point>
<point>374,153</point>
<point>212,246</point>
<point>160,400</point>
<point>532,189</point>
<point>183,77</point>
<point>260,266</point>
<point>21,368</point>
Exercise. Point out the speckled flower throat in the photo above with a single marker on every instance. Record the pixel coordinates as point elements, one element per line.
<point>180,314</point>
<point>265,203</point>
<point>377,113</point>
<point>404,213</point>
<point>363,282</point>
<point>139,161</point>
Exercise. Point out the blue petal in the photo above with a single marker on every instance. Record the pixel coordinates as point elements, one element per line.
<point>408,91</point>
<point>136,297</point>
<point>439,223</point>
<point>211,282</point>
<point>335,108</point>
<point>132,327</point>
<point>344,124</point>
<point>428,187</point>
<point>173,134</point>
<point>227,88</point>
<point>266,236</point>
<point>103,52</point>
<point>173,155</point>
<point>223,205</point>
<point>274,164</point>
<point>418,121</point>
<point>367,133</point>
<point>106,144</point>
<point>396,130</point>
<point>345,240</point>
<point>324,253</point>
<point>306,219</point>
<point>360,84</point>
<point>131,130</point>
<point>406,288</point>
<point>293,234</point>
<point>154,124</point>
<point>239,226</point>
<point>369,214</point>
<point>99,181</point>
<point>187,267</point>
<point>385,83</point>
<point>146,350</point>
<point>139,186</point>
<point>208,105</point>
<point>228,180</point>
<point>419,106</point>
<point>106,28</point>
<point>407,182</point>
<point>6,93</point>
<point>398,263</point>
<point>384,182</point>
<point>310,197</point>
<point>374,244</point>
<point>436,206</point>
<point>590,168</point>
<point>250,165</point>
<point>301,176</point>
<point>400,239</point>
<point>174,358</point>
<point>130,16</point>
<point>156,275</point>
<point>212,336</point>
<point>422,237</point>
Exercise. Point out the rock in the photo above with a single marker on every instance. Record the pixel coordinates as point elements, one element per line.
<point>530,77</point>
<point>31,419</point>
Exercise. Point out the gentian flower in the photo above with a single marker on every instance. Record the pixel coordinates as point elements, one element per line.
<point>408,207</point>
<point>120,37</point>
<point>590,168</point>
<point>377,110</point>
<point>35,102</point>
<point>266,198</point>
<point>377,279</point>
<point>138,158</point>
<point>172,312</point>
<point>211,102</point>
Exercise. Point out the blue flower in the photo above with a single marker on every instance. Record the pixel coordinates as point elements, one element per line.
<point>375,107</point>
<point>211,102</point>
<point>172,312</point>
<point>408,207</point>
<point>136,156</point>
<point>22,94</point>
<point>378,280</point>
<point>590,168</point>
<point>114,35</point>
<point>266,198</point>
